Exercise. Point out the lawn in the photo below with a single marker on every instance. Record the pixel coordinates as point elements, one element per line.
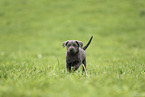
<point>32,59</point>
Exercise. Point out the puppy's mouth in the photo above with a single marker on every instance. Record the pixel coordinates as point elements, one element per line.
<point>71,51</point>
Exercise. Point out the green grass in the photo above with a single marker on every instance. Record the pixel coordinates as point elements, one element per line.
<point>32,60</point>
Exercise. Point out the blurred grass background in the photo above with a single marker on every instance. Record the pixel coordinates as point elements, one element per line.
<point>32,60</point>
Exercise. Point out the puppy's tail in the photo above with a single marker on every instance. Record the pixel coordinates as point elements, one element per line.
<point>85,47</point>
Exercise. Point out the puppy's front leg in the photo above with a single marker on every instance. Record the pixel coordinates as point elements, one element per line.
<point>68,67</point>
<point>76,66</point>
<point>84,66</point>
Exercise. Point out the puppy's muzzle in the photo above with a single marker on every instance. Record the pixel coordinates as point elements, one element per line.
<point>71,49</point>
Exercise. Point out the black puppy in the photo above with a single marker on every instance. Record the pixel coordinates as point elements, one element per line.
<point>75,54</point>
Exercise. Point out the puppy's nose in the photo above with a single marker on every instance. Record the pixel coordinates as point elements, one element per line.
<point>71,49</point>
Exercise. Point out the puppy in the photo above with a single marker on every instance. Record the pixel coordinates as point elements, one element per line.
<point>75,55</point>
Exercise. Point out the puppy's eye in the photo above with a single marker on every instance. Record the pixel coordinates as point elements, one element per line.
<point>69,45</point>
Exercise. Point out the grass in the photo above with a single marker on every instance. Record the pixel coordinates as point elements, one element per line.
<point>32,60</point>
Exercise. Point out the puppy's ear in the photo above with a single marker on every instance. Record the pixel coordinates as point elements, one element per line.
<point>65,43</point>
<point>80,44</point>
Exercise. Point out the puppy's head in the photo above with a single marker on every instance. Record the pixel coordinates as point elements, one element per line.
<point>72,46</point>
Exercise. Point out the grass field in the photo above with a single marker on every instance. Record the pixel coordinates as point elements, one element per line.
<point>32,60</point>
